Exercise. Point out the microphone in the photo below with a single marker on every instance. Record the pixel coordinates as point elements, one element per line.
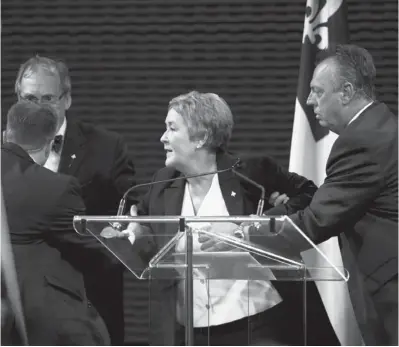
<point>261,201</point>
<point>122,204</point>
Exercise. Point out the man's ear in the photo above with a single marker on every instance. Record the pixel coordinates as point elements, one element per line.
<point>4,135</point>
<point>347,93</point>
<point>68,101</point>
<point>47,148</point>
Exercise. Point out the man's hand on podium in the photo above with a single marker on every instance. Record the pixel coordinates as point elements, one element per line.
<point>109,233</point>
<point>252,228</point>
<point>133,228</point>
<point>276,198</point>
<point>128,233</point>
<point>213,244</point>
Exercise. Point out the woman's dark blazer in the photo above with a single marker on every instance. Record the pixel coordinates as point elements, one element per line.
<point>241,198</point>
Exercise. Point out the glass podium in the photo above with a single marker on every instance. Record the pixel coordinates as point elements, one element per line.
<point>192,284</point>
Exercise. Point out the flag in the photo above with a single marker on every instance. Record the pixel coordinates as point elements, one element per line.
<point>325,23</point>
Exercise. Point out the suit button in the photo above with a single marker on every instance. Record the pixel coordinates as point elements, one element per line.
<point>207,306</point>
<point>89,305</point>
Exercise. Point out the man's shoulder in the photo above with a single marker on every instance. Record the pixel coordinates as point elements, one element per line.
<point>380,108</point>
<point>384,123</point>
<point>376,119</point>
<point>96,133</point>
<point>40,189</point>
<point>376,129</point>
<point>52,182</point>
<point>22,169</point>
<point>61,192</point>
<point>372,139</point>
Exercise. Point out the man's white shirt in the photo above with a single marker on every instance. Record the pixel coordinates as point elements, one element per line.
<point>360,112</point>
<point>53,161</point>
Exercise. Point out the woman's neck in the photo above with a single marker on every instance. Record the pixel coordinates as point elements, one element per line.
<point>199,186</point>
<point>201,165</point>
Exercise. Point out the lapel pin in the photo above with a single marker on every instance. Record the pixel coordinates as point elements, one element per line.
<point>233,194</point>
<point>73,156</point>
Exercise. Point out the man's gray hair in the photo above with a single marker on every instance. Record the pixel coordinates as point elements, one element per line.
<point>355,65</point>
<point>53,67</point>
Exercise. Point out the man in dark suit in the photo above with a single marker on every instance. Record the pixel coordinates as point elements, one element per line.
<point>99,160</point>
<point>40,206</point>
<point>359,198</point>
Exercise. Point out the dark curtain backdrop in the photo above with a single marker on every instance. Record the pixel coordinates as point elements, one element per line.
<point>128,58</point>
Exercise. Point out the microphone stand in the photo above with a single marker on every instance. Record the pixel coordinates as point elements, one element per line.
<point>188,287</point>
<point>261,201</point>
<point>189,293</point>
<point>122,203</point>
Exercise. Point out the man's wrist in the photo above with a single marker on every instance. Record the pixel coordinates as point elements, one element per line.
<point>132,238</point>
<point>241,233</point>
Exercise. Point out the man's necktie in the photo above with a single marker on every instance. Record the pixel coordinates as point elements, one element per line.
<point>57,144</point>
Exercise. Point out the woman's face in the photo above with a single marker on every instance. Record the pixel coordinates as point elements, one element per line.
<point>179,148</point>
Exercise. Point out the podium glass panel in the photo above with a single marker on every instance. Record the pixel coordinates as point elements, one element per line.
<point>195,290</point>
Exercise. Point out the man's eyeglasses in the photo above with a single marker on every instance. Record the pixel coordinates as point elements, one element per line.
<point>45,99</point>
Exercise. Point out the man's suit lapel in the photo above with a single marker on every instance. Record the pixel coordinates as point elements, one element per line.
<point>73,149</point>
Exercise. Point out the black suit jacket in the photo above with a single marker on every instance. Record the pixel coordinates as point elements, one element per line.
<point>100,161</point>
<point>40,206</point>
<point>359,201</point>
<point>167,199</point>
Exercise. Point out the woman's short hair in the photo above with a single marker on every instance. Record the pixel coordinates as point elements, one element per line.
<point>207,117</point>
<point>30,125</point>
<point>53,67</point>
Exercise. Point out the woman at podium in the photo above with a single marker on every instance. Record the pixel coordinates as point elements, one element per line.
<point>198,130</point>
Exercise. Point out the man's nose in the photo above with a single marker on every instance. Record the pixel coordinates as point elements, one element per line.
<point>309,100</point>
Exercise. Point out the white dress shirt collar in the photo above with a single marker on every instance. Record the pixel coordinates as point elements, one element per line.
<point>360,112</point>
<point>53,161</point>
<point>62,130</point>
